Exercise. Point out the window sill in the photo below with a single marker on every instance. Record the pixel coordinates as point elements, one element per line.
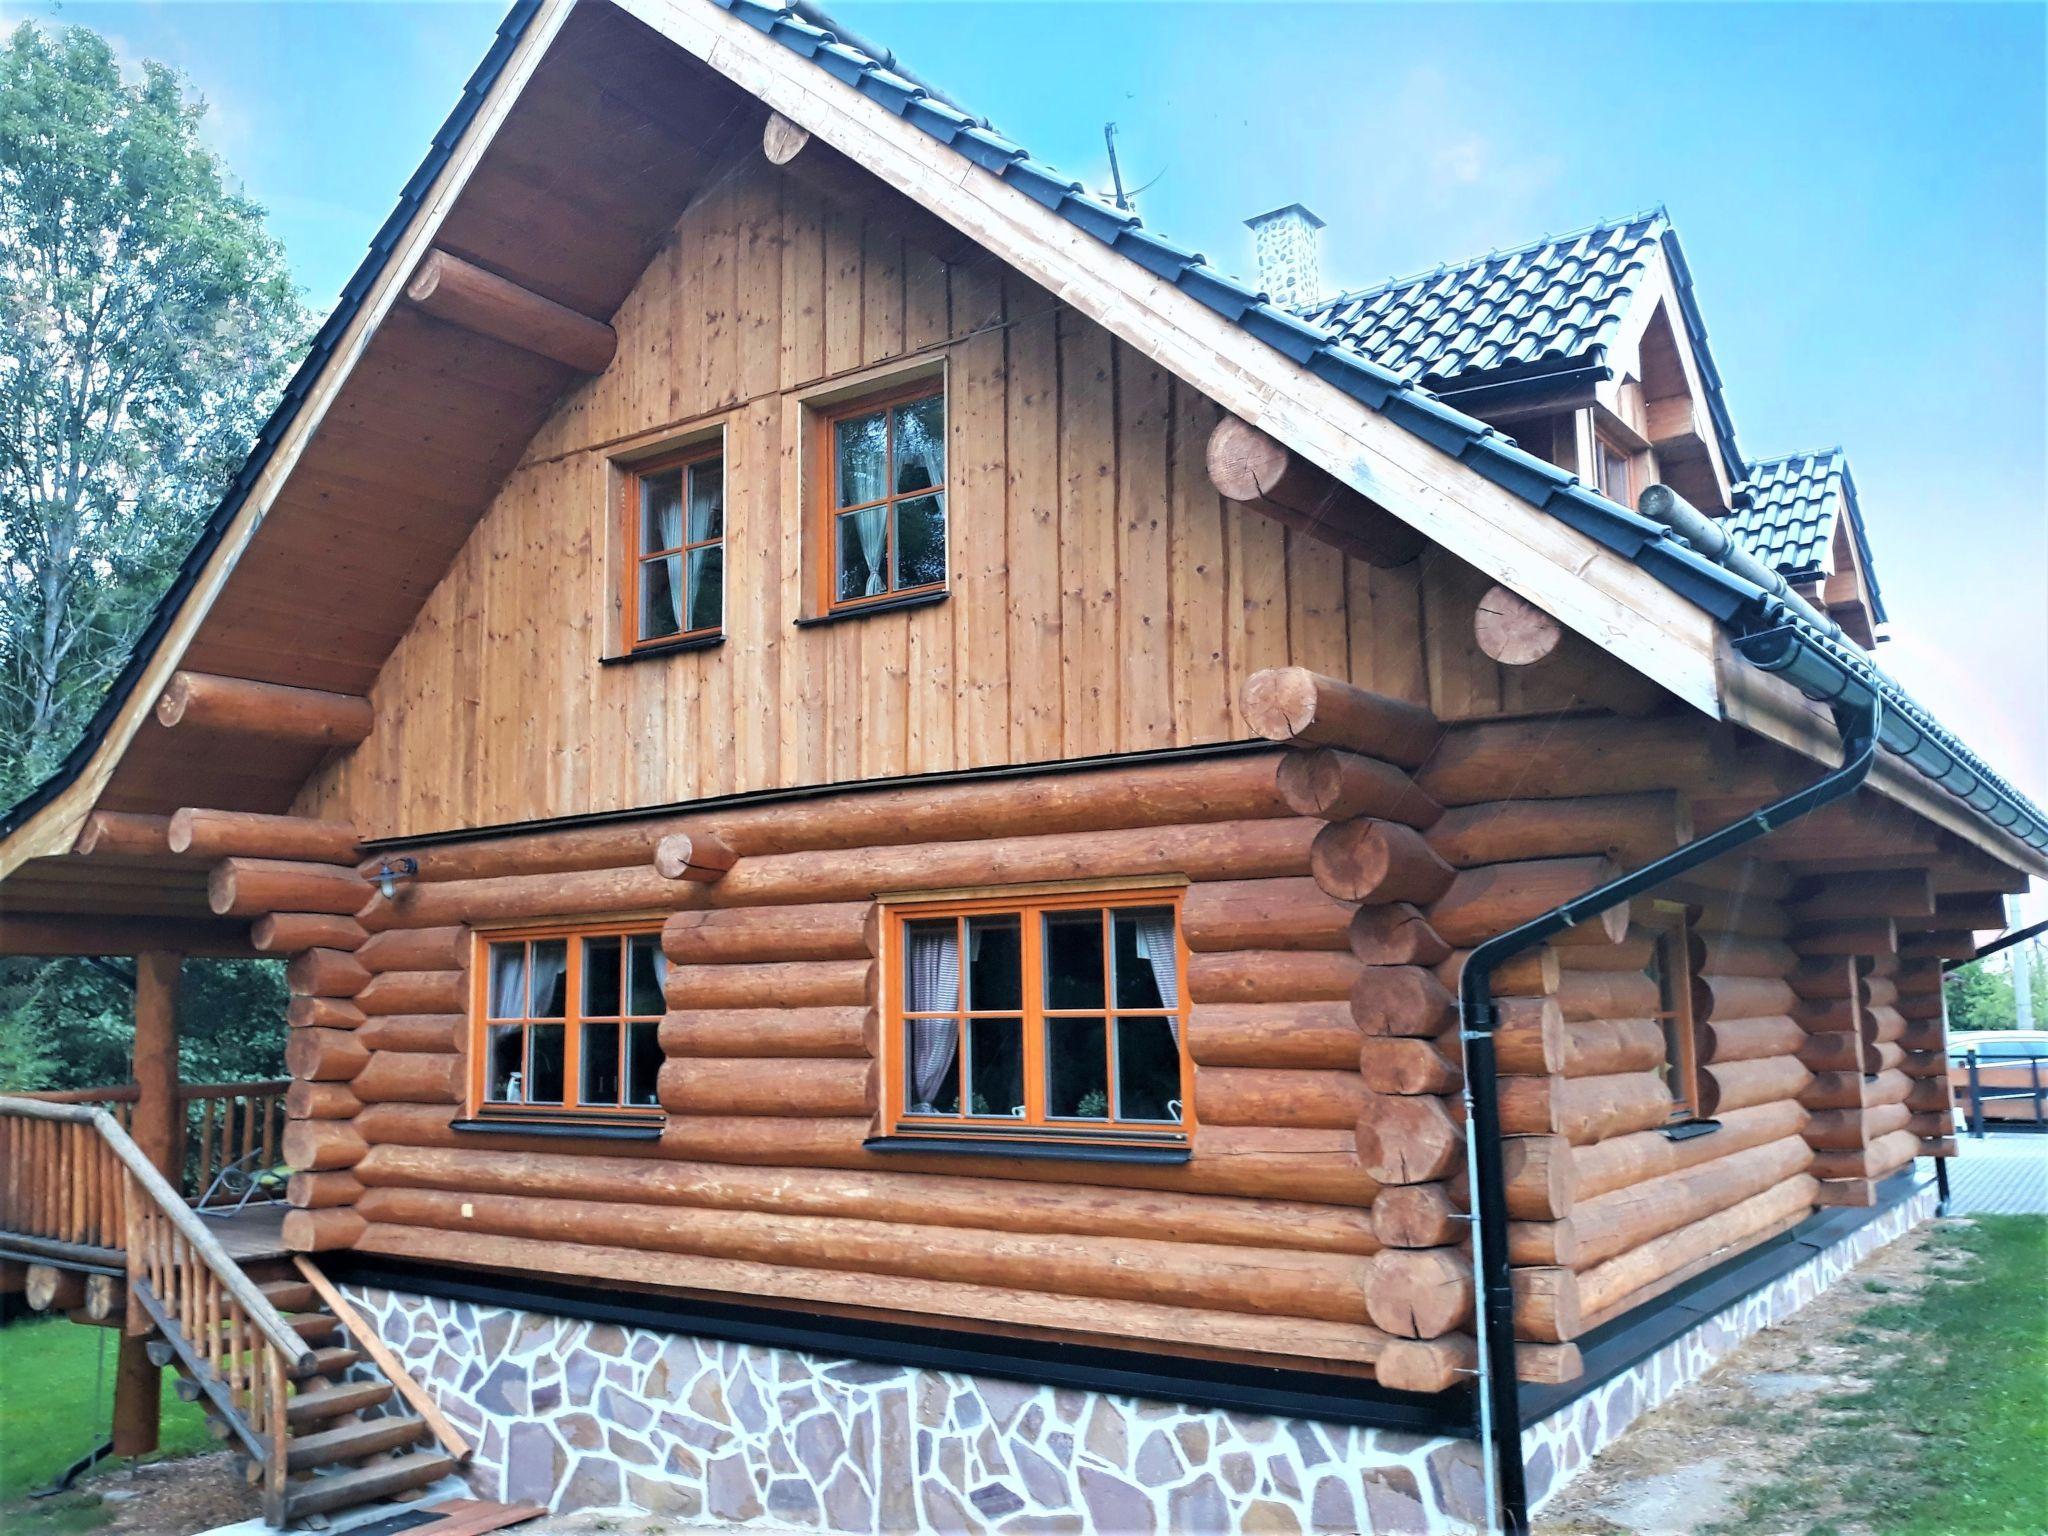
<point>885,605</point>
<point>1686,1130</point>
<point>663,648</point>
<point>548,1125</point>
<point>996,1146</point>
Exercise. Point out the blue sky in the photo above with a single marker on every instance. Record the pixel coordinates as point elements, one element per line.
<point>1860,191</point>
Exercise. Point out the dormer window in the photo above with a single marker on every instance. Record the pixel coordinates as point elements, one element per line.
<point>1612,473</point>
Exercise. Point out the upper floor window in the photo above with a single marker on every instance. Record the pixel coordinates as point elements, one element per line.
<point>675,582</point>
<point>1056,1018</point>
<point>884,496</point>
<point>1611,467</point>
<point>1671,968</point>
<point>568,1021</point>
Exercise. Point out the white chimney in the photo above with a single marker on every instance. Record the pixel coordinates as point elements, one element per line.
<point>1290,255</point>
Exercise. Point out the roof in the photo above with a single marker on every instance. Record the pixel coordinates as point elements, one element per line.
<point>1537,311</point>
<point>1793,506</point>
<point>1320,351</point>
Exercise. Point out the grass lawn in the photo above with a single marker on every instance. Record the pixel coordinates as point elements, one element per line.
<point>1948,1431</point>
<point>55,1406</point>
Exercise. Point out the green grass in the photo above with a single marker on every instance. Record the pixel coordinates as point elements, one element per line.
<point>55,1406</point>
<point>1949,1436</point>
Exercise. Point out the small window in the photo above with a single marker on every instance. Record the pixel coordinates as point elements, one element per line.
<point>1671,968</point>
<point>1053,1019</point>
<point>1612,468</point>
<point>675,583</point>
<point>569,1023</point>
<point>882,483</point>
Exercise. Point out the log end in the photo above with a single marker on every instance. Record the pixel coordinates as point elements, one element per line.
<point>782,140</point>
<point>1512,630</point>
<point>1245,464</point>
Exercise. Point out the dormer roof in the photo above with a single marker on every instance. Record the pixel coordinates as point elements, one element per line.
<point>1792,510</point>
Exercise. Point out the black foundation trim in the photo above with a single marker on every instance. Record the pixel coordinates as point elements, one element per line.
<point>663,648</point>
<point>1075,1151</point>
<point>1134,1372</point>
<point>581,1130</point>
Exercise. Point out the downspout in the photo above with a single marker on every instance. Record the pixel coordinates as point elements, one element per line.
<point>1858,720</point>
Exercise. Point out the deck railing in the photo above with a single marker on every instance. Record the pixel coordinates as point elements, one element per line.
<point>76,1186</point>
<point>226,1125</point>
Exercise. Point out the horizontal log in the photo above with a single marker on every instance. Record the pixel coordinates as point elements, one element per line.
<point>1942,944</point>
<point>1834,1051</point>
<point>1534,972</point>
<point>244,834</point>
<point>1848,1130</point>
<point>890,1197</point>
<point>1601,1047</point>
<point>1399,1000</point>
<point>1583,1109</point>
<point>287,933</point>
<point>1395,933</point>
<point>236,706</point>
<point>1594,949</point>
<point>1741,997</point>
<point>1543,1244</point>
<point>1608,995</point>
<point>1427,1365</point>
<point>1543,1179</point>
<point>1481,903</point>
<point>1882,1024</point>
<point>1408,1138</point>
<point>254,887</point>
<point>305,1100</point>
<point>1542,758</point>
<point>1875,893</point>
<point>1295,913</point>
<point>836,930</point>
<point>1630,830</point>
<point>1225,850</point>
<point>320,1191</point>
<point>1734,954</point>
<point>321,1231</point>
<point>324,1055</point>
<point>758,1086</point>
<point>51,1289</point>
<point>1377,861</point>
<point>1605,1288</point>
<point>1275,1096</point>
<point>1303,709</point>
<point>1847,936</point>
<point>416,949</point>
<point>1623,1219</point>
<point>124,834</point>
<point>776,984</point>
<point>76,933</point>
<point>1393,1064</point>
<point>317,1146</point>
<point>1272,975</point>
<point>1419,1293</point>
<point>1739,1084</point>
<point>698,856</point>
<point>1529,1037</point>
<point>1417,1216</point>
<point>1255,470</point>
<point>1310,1035</point>
<point>1882,1057</point>
<point>1725,1040</point>
<point>840,1032</point>
<point>1885,1154</point>
<point>415,992</point>
<point>1823,978</point>
<point>325,973</point>
<point>1622,1161</point>
<point>1548,1304</point>
<point>1334,785</point>
<point>407,1078</point>
<point>322,1013</point>
<point>1931,1095</point>
<point>462,294</point>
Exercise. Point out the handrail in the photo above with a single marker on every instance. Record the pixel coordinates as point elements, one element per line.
<point>128,1093</point>
<point>265,1318</point>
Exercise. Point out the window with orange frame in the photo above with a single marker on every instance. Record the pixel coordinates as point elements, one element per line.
<point>1041,1018</point>
<point>566,1022</point>
<point>882,497</point>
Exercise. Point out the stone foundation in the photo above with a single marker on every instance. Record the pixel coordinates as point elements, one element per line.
<point>581,1415</point>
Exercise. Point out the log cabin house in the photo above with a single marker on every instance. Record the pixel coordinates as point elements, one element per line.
<point>877,786</point>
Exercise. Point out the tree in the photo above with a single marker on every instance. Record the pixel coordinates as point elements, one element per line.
<point>147,322</point>
<point>1980,994</point>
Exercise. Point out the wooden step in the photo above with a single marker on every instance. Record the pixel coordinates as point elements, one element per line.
<point>352,1442</point>
<point>331,1361</point>
<point>313,1325</point>
<point>291,1296</point>
<point>350,1397</point>
<point>345,1490</point>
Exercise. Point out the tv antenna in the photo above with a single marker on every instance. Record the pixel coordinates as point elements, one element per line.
<point>1127,201</point>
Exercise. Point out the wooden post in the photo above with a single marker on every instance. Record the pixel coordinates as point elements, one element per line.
<point>158,1128</point>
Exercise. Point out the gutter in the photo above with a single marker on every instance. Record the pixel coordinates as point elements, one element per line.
<point>1859,720</point>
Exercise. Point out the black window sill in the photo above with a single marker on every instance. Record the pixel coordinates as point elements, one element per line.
<point>663,648</point>
<point>1685,1130</point>
<point>540,1125</point>
<point>1058,1151</point>
<point>882,605</point>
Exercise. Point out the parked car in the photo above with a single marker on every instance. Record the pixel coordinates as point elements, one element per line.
<point>2011,1075</point>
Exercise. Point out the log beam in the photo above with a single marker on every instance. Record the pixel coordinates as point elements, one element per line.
<point>1305,709</point>
<point>1522,637</point>
<point>237,706</point>
<point>124,833</point>
<point>1257,471</point>
<point>244,834</point>
<point>465,295</point>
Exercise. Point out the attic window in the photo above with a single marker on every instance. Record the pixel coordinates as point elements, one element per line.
<point>675,582</point>
<point>883,495</point>
<point>1611,471</point>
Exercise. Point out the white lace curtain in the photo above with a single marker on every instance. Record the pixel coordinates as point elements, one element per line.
<point>933,967</point>
<point>869,527</point>
<point>1157,948</point>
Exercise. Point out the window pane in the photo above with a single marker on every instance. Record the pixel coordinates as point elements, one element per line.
<point>550,978</point>
<point>920,444</point>
<point>860,450</point>
<point>503,1081</point>
<point>1073,959</point>
<point>660,588</point>
<point>1146,957</point>
<point>661,510</point>
<point>1076,1070</point>
<point>921,541</point>
<point>707,500</point>
<point>544,1064</point>
<point>599,1044</point>
<point>995,964</point>
<point>707,586</point>
<point>996,1067</point>
<point>601,978</point>
<point>931,1066</point>
<point>645,969</point>
<point>863,553</point>
<point>1147,1070</point>
<point>643,1063</point>
<point>508,980</point>
<point>931,966</point>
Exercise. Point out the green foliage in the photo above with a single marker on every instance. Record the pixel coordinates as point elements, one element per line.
<point>1980,994</point>
<point>147,321</point>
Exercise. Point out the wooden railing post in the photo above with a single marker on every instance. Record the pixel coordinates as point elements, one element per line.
<point>159,1130</point>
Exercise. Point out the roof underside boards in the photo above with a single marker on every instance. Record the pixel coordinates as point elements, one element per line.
<point>1794,507</point>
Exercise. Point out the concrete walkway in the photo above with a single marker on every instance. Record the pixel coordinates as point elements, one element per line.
<point>2005,1174</point>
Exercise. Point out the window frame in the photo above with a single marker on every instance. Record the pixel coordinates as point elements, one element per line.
<point>825,511</point>
<point>632,475</point>
<point>483,1108</point>
<point>1037,1128</point>
<point>1670,927</point>
<point>1603,447</point>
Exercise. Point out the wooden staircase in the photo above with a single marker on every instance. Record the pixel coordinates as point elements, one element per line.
<point>324,1415</point>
